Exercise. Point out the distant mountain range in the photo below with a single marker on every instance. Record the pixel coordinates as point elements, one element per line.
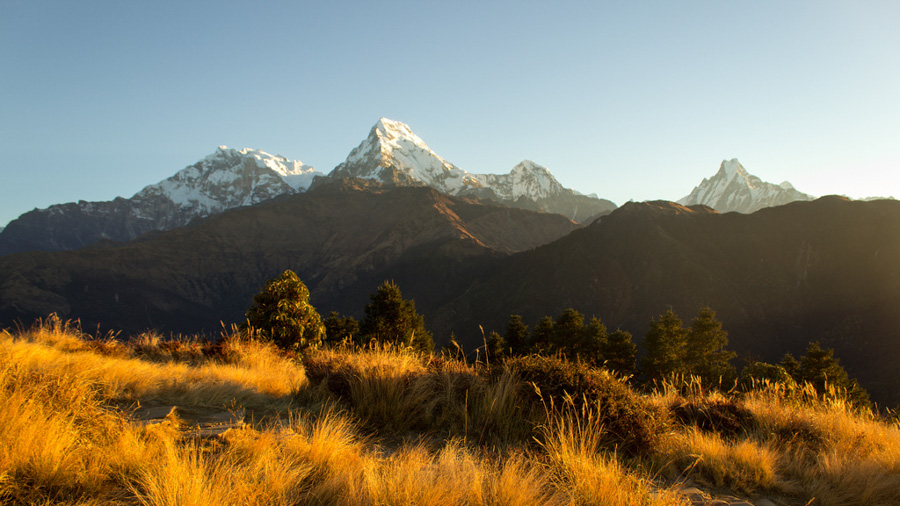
<point>392,154</point>
<point>226,179</point>
<point>732,188</point>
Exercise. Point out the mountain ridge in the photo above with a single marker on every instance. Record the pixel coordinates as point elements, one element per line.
<point>225,179</point>
<point>394,155</point>
<point>230,178</point>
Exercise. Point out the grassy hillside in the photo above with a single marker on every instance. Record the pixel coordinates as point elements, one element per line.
<point>148,421</point>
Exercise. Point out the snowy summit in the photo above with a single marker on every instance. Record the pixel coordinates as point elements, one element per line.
<point>732,188</point>
<point>393,154</point>
<point>230,178</point>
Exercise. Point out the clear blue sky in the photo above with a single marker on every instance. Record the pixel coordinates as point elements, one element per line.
<point>629,100</point>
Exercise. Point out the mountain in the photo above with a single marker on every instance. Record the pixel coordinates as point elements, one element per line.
<point>779,278</point>
<point>732,188</point>
<point>392,154</point>
<point>343,239</point>
<point>225,179</point>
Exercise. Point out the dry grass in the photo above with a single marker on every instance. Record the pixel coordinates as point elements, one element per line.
<point>830,450</point>
<point>341,437</point>
<point>255,377</point>
<point>573,442</point>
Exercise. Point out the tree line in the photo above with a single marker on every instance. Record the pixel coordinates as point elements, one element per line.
<point>281,313</point>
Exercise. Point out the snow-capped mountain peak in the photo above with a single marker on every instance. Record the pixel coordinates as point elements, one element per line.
<point>394,155</point>
<point>786,185</point>
<point>732,188</point>
<point>527,179</point>
<point>732,168</point>
<point>229,178</point>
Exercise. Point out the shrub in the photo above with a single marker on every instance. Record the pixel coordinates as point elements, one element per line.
<point>631,423</point>
<point>728,418</point>
<point>758,372</point>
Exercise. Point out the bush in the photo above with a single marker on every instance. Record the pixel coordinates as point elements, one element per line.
<point>758,372</point>
<point>728,418</point>
<point>630,422</point>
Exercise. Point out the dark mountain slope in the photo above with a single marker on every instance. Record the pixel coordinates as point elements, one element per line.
<point>827,270</point>
<point>342,239</point>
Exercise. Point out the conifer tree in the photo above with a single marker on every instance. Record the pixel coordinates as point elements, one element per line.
<point>567,333</point>
<point>496,346</point>
<point>339,328</point>
<point>791,365</point>
<point>819,368</point>
<point>593,341</point>
<point>391,319</point>
<point>516,335</point>
<point>282,314</point>
<point>705,354</point>
<point>542,336</point>
<point>619,352</point>
<point>664,347</point>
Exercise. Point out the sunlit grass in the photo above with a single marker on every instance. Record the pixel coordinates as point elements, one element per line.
<point>384,425</point>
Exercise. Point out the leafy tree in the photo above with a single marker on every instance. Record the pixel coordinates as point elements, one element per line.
<point>664,347</point>
<point>282,314</point>
<point>516,335</point>
<point>391,319</point>
<point>705,354</point>
<point>619,352</point>
<point>339,328</point>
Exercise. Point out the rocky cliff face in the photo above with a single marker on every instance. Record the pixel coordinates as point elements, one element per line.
<point>732,188</point>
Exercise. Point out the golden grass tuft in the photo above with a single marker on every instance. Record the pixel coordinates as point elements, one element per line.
<point>744,466</point>
<point>573,441</point>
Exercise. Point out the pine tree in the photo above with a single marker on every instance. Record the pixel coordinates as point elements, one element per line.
<point>282,314</point>
<point>664,347</point>
<point>339,328</point>
<point>567,333</point>
<point>516,335</point>
<point>791,366</point>
<point>819,368</point>
<point>496,346</point>
<point>391,319</point>
<point>542,336</point>
<point>619,352</point>
<point>705,354</point>
<point>592,341</point>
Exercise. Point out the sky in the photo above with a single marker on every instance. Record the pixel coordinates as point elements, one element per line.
<point>634,100</point>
